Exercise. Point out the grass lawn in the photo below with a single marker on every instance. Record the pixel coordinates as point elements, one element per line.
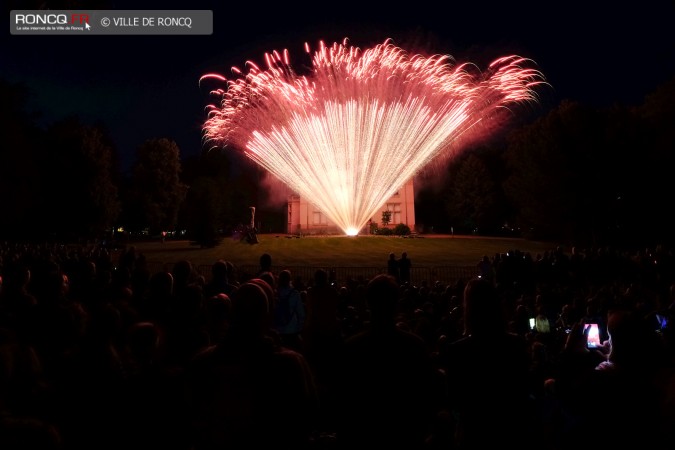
<point>342,251</point>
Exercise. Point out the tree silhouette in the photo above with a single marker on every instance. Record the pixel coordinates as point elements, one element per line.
<point>471,198</point>
<point>20,181</point>
<point>156,191</point>
<point>79,198</point>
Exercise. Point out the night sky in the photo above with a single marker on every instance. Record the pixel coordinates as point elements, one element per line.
<point>144,87</point>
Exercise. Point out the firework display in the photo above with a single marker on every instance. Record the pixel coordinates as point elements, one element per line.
<point>349,133</point>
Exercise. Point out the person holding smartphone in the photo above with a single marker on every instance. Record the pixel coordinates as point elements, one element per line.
<point>592,333</point>
<point>621,393</point>
<point>594,314</point>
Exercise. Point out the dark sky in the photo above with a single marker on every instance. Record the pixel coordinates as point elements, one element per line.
<point>142,87</point>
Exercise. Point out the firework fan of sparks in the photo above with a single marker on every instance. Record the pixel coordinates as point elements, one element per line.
<point>350,133</point>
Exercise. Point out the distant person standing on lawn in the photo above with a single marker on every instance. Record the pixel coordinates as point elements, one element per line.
<point>404,265</point>
<point>392,267</point>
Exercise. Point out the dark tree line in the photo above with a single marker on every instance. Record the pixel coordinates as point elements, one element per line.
<point>57,181</point>
<point>221,191</point>
<point>155,191</point>
<point>577,174</point>
<point>64,181</point>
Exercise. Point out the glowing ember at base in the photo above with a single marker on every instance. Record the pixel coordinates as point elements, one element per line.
<point>349,134</point>
<point>352,231</point>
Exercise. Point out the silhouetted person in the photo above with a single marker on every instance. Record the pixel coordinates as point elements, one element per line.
<point>594,314</point>
<point>246,391</point>
<point>621,396</point>
<point>392,267</point>
<point>322,336</point>
<point>59,322</point>
<point>220,282</point>
<point>184,330</point>
<point>183,276</point>
<point>487,373</point>
<point>322,324</point>
<point>574,364</point>
<point>485,268</point>
<point>153,409</point>
<point>231,273</point>
<point>217,311</point>
<point>404,265</point>
<point>155,305</point>
<point>265,263</point>
<point>268,282</point>
<point>89,383</point>
<point>289,312</point>
<point>387,396</point>
<point>25,397</point>
<point>565,319</point>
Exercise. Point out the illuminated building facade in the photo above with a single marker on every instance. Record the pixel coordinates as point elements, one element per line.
<point>304,218</point>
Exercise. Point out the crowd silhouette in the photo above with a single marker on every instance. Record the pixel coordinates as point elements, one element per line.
<point>100,352</point>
